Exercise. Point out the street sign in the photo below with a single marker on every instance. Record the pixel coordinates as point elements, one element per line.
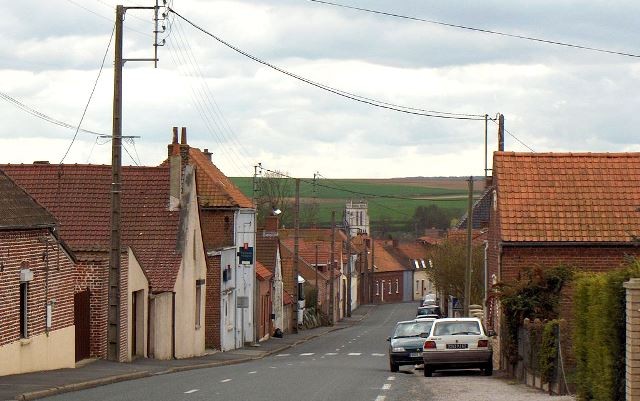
<point>242,302</point>
<point>246,255</point>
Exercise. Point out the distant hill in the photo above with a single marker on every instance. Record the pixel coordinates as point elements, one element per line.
<point>392,202</point>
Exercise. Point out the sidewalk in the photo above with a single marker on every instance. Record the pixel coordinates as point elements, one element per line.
<point>87,374</point>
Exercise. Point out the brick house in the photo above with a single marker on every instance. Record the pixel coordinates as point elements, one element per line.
<point>37,330</point>
<point>228,221</point>
<point>574,209</point>
<point>268,255</point>
<point>265,325</point>
<point>163,263</point>
<point>389,274</point>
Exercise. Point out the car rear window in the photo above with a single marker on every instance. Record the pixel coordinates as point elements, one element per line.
<point>428,310</point>
<point>456,328</point>
<point>413,329</point>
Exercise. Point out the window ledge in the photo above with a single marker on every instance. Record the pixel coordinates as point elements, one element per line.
<point>25,341</point>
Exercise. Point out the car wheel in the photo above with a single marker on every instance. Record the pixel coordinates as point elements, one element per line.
<point>428,372</point>
<point>394,367</point>
<point>488,369</point>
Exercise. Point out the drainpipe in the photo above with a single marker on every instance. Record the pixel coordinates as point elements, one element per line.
<point>486,277</point>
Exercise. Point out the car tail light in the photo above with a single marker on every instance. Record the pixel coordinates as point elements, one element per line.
<point>483,343</point>
<point>429,345</point>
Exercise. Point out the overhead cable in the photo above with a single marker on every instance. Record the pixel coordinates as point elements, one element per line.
<point>348,95</point>
<point>489,31</point>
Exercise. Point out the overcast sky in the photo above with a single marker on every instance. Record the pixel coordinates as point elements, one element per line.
<point>555,99</point>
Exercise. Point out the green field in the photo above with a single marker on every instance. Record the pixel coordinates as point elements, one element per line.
<point>392,202</point>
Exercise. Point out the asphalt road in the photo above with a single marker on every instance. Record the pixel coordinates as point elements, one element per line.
<point>349,364</point>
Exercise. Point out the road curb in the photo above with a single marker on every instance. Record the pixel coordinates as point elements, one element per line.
<point>34,395</point>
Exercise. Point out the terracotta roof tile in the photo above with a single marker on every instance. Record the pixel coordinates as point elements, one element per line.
<point>568,197</point>
<point>78,196</point>
<point>262,272</point>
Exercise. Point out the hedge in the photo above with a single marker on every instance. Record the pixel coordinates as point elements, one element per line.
<point>599,333</point>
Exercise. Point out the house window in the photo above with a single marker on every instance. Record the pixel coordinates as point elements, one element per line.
<point>198,303</point>
<point>377,288</point>
<point>389,286</point>
<point>397,286</point>
<point>417,286</point>
<point>24,311</point>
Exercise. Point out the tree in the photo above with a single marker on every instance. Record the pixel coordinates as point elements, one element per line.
<point>447,273</point>
<point>275,191</point>
<point>432,216</point>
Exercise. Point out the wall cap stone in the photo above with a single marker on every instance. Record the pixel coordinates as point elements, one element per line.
<point>632,284</point>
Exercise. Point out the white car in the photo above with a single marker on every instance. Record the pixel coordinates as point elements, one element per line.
<point>457,343</point>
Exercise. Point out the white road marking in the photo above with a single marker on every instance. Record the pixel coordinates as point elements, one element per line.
<point>391,378</point>
<point>380,398</point>
<point>386,386</point>
<point>273,367</point>
<point>225,381</point>
<point>191,391</point>
<point>307,354</point>
<point>331,353</point>
<point>374,354</point>
<point>253,372</point>
<point>283,354</point>
<point>355,353</point>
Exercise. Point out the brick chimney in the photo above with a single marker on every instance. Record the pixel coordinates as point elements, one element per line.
<point>175,172</point>
<point>184,147</point>
<point>271,223</point>
<point>208,154</point>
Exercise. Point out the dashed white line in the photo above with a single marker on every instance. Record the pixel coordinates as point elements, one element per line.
<point>354,353</point>
<point>253,372</point>
<point>307,354</point>
<point>386,386</point>
<point>391,378</point>
<point>283,355</point>
<point>380,398</point>
<point>225,381</point>
<point>331,353</point>
<point>191,391</point>
<point>374,354</point>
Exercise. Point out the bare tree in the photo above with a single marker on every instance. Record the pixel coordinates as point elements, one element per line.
<point>275,192</point>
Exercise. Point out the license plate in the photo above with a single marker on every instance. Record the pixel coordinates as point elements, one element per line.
<point>415,354</point>
<point>457,346</point>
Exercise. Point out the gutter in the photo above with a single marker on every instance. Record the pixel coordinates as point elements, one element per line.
<point>591,244</point>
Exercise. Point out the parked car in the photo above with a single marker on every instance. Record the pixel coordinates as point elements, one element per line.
<point>405,345</point>
<point>429,299</point>
<point>429,311</point>
<point>457,343</point>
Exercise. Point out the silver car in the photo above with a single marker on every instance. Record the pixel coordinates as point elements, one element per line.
<point>457,343</point>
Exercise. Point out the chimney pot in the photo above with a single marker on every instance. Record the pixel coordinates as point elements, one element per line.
<point>208,154</point>
<point>183,137</point>
<point>175,135</point>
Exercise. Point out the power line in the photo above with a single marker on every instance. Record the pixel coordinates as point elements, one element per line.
<point>345,94</point>
<point>513,136</point>
<point>43,116</point>
<point>488,31</point>
<point>84,112</point>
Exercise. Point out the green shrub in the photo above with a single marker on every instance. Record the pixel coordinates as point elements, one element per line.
<point>548,352</point>
<point>599,333</point>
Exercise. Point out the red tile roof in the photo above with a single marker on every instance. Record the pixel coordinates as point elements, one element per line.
<point>568,197</point>
<point>19,210</point>
<point>214,188</point>
<point>79,197</point>
<point>384,260</point>
<point>262,272</point>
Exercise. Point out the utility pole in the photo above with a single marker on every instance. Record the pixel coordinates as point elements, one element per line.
<point>373,266</point>
<point>317,284</point>
<point>467,281</point>
<point>486,148</point>
<point>296,253</point>
<point>348,272</point>
<point>113,312</point>
<point>332,267</point>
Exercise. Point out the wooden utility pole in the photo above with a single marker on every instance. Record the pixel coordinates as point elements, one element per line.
<point>501,133</point>
<point>467,281</point>
<point>317,283</point>
<point>486,148</point>
<point>332,267</point>
<point>373,267</point>
<point>115,248</point>
<point>296,253</point>
<point>348,272</point>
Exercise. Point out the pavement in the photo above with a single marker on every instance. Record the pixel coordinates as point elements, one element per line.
<point>93,373</point>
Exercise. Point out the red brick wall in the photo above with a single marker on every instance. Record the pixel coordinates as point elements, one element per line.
<point>212,304</point>
<point>217,228</point>
<point>92,275</point>
<point>54,283</point>
<point>388,278</point>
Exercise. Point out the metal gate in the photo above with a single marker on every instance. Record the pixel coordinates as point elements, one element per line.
<point>82,317</point>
